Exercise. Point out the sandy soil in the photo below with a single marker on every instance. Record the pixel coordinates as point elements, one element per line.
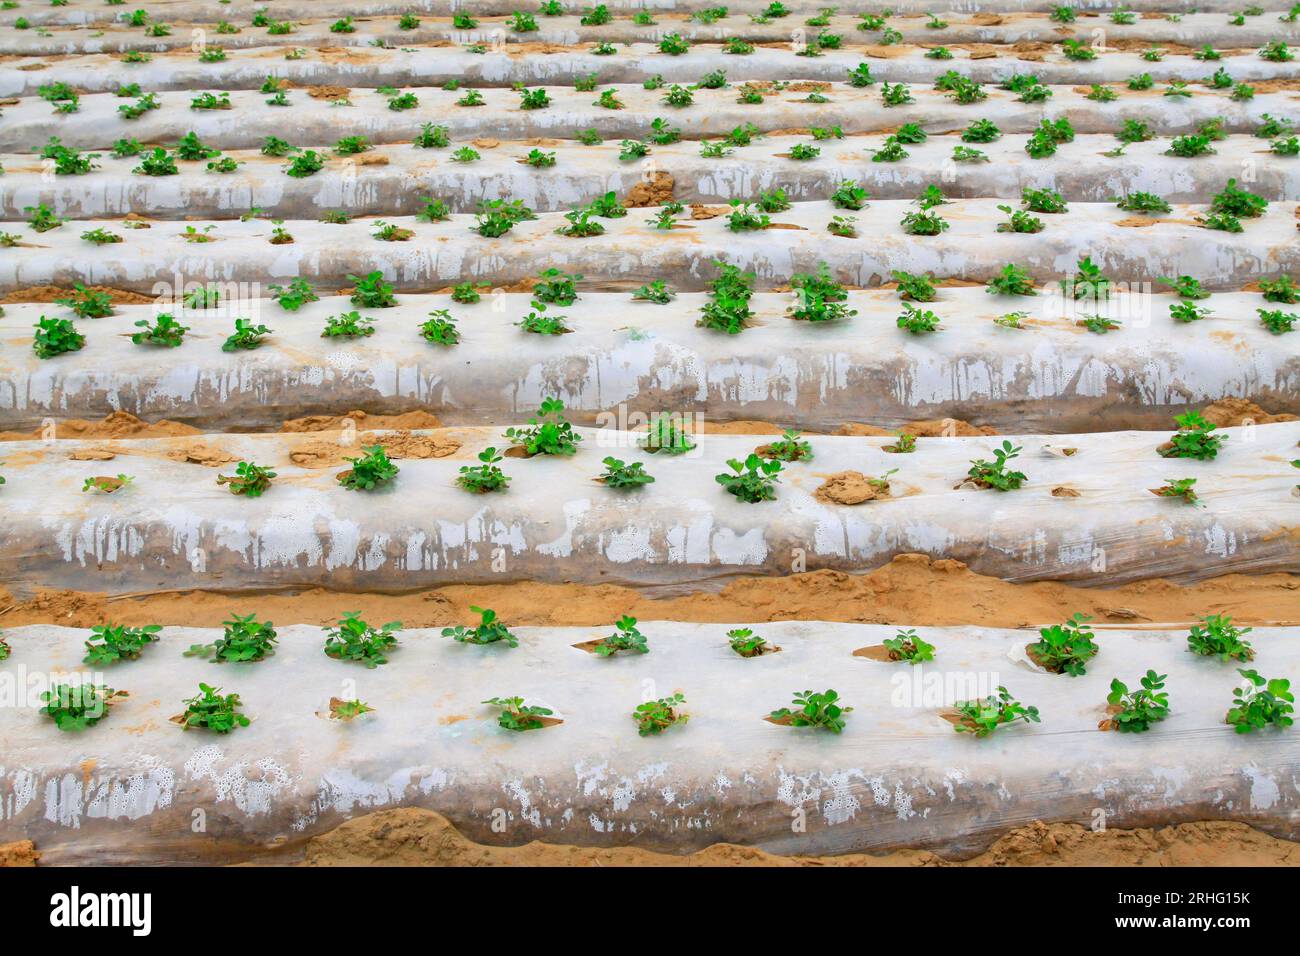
<point>412,837</point>
<point>913,589</point>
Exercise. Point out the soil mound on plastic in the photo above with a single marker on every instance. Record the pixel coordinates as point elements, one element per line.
<point>848,488</point>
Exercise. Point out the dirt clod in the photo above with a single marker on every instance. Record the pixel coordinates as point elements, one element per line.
<point>849,488</point>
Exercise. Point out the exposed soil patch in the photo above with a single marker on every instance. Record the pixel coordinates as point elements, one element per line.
<point>401,444</point>
<point>92,454</point>
<point>48,293</point>
<point>743,427</point>
<point>1229,412</point>
<point>656,192</point>
<point>877,652</point>
<point>325,423</point>
<point>200,453</point>
<point>21,853</point>
<point>925,428</point>
<point>914,588</point>
<point>1065,491</point>
<point>328,92</point>
<point>116,425</point>
<point>700,211</point>
<point>849,488</point>
<point>415,837</point>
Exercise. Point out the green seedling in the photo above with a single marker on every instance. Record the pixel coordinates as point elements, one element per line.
<point>1261,703</point>
<point>752,480</point>
<point>432,137</point>
<point>488,631</point>
<point>923,224</point>
<point>1194,439</point>
<point>548,432</point>
<point>1217,636</point>
<point>916,320</point>
<point>249,480</point>
<point>1190,145</point>
<point>744,219</point>
<point>246,336</point>
<point>728,309</point>
<point>996,474</point>
<point>849,195</point>
<point>440,328</point>
<point>904,444</point>
<point>165,331</point>
<point>1012,280</point>
<point>347,325</point>
<point>305,164</point>
<point>55,337</point>
<point>1065,648</point>
<point>537,99</point>
<point>1238,203</point>
<point>391,232</point>
<point>87,303</point>
<point>667,435</point>
<point>372,292</point>
<point>245,640</point>
<point>112,643</point>
<point>556,286</point>
<point>843,226</point>
<point>1281,289</point>
<point>582,224</point>
<point>774,200</point>
<point>295,295</point>
<point>821,711</point>
<point>917,288</point>
<point>1135,711</point>
<point>984,717</point>
<point>1185,287</point>
<point>1276,321</point>
<point>105,485</point>
<point>626,637</point>
<point>101,237</point>
<point>486,476</point>
<point>368,471</point>
<point>906,646</point>
<point>516,715</point>
<point>1187,311</point>
<point>348,710</point>
<point>42,218</point>
<point>1088,281</point>
<point>620,474</point>
<point>655,716</point>
<point>746,643</point>
<point>78,706</point>
<point>467,293</point>
<point>1183,488</point>
<point>209,710</point>
<point>352,639</point>
<point>789,447</point>
<point>352,145</point>
<point>657,292</point>
<point>1043,200</point>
